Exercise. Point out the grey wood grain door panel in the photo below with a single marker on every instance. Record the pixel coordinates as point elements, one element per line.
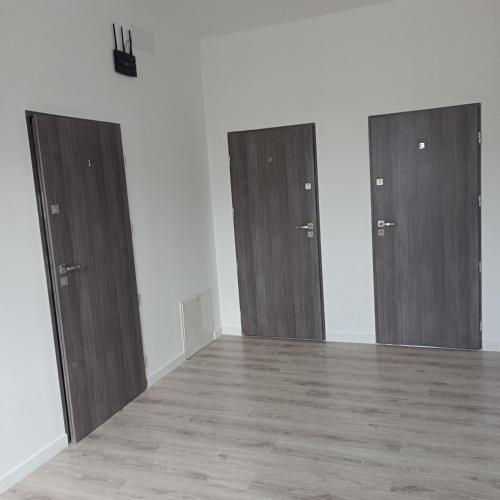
<point>279,266</point>
<point>81,169</point>
<point>427,275</point>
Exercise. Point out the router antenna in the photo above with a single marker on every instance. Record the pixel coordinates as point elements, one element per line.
<point>130,42</point>
<point>114,33</point>
<point>123,41</point>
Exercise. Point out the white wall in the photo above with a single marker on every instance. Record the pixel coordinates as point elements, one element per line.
<point>56,57</point>
<point>336,71</point>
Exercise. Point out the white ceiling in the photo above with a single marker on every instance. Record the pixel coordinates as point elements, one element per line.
<point>215,17</point>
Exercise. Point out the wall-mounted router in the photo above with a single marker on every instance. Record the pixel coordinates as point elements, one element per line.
<point>125,62</point>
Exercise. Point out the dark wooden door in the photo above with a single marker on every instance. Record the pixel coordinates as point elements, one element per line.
<point>274,190</point>
<point>425,175</point>
<point>84,196</point>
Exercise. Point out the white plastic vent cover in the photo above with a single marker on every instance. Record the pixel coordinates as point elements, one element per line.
<point>197,323</point>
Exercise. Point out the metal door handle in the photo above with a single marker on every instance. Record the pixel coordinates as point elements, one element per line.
<point>307,227</point>
<point>64,269</point>
<point>383,223</point>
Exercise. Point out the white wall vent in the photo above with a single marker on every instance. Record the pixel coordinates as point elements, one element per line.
<point>197,322</point>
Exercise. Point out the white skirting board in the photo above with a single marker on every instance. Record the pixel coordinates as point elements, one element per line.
<point>351,337</point>
<point>232,331</point>
<point>348,337</point>
<point>491,346</point>
<point>197,322</point>
<point>32,463</point>
<point>165,369</point>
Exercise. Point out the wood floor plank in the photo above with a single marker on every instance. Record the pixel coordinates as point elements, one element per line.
<point>258,419</point>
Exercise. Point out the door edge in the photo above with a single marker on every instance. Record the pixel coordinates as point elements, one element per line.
<point>48,265</point>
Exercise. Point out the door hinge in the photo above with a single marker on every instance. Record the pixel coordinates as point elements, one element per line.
<point>55,209</point>
<point>480,267</point>
<point>229,159</point>
<point>480,201</point>
<point>481,327</point>
<point>480,137</point>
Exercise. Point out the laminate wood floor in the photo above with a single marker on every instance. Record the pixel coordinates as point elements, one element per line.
<point>251,419</point>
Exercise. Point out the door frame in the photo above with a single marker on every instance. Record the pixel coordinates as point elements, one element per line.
<point>318,230</point>
<point>479,222</point>
<point>49,266</point>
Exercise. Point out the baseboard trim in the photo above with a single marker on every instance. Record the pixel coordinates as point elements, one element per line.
<point>336,336</point>
<point>231,330</point>
<point>351,337</point>
<point>36,460</point>
<point>169,367</point>
<point>346,337</point>
<point>219,332</point>
<point>491,346</point>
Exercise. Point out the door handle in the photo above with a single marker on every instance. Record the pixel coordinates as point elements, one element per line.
<point>307,227</point>
<point>382,224</point>
<point>64,269</point>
